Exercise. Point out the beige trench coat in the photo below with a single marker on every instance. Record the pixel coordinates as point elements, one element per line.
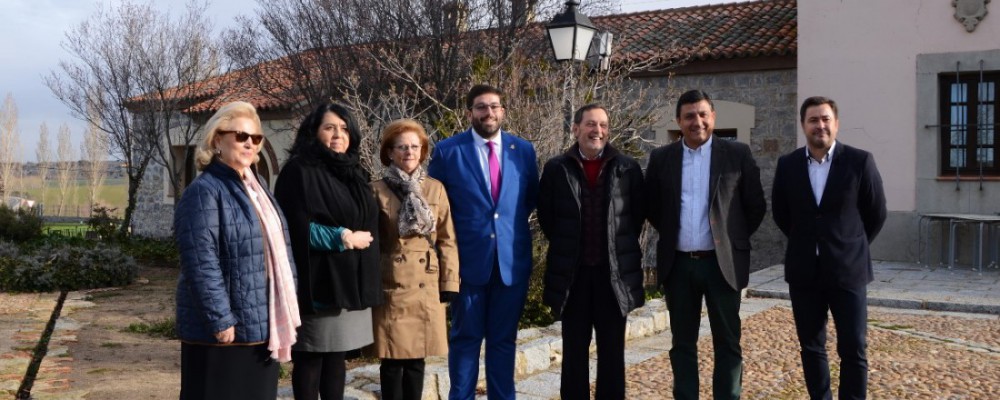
<point>411,323</point>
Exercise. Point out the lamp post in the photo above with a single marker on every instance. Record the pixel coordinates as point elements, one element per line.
<point>570,34</point>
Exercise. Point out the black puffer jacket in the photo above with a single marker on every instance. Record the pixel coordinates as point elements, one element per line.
<point>559,215</point>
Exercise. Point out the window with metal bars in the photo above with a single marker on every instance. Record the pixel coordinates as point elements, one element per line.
<point>969,126</point>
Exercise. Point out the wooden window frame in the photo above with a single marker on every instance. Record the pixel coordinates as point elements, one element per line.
<point>968,126</point>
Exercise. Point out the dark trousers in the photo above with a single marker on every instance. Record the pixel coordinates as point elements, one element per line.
<point>316,375</point>
<point>592,305</point>
<point>402,379</point>
<point>690,280</point>
<point>849,307</point>
<point>227,372</point>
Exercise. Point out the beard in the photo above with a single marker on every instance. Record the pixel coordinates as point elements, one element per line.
<point>820,140</point>
<point>484,131</point>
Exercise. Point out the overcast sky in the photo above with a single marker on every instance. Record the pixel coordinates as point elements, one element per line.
<point>30,36</point>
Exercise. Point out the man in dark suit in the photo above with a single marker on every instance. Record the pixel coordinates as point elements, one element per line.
<point>828,200</point>
<point>705,200</point>
<point>492,181</point>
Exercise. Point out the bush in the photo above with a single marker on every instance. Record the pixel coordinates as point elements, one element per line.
<point>156,252</point>
<point>19,226</point>
<point>103,224</point>
<point>61,266</point>
<point>535,312</point>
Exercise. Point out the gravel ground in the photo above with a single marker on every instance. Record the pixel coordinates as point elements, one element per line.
<point>911,356</point>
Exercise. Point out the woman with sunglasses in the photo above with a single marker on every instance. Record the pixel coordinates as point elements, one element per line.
<point>333,221</point>
<point>419,262</point>
<point>236,305</point>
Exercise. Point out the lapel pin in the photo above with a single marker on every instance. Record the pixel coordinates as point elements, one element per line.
<point>512,147</point>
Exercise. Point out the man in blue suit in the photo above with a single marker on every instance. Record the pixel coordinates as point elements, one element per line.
<point>829,201</point>
<point>492,181</point>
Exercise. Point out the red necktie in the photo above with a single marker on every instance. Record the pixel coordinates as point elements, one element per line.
<point>494,173</point>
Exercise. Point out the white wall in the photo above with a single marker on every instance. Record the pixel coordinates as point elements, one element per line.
<point>863,55</point>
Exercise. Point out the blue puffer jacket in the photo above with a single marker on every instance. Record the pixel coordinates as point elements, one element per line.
<point>223,281</point>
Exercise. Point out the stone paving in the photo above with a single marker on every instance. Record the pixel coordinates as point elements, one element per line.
<point>22,320</point>
<point>934,334</point>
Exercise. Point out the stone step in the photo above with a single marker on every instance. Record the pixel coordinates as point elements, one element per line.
<point>538,351</point>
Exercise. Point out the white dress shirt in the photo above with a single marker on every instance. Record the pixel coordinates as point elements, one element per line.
<point>484,154</point>
<point>819,171</point>
<point>695,232</point>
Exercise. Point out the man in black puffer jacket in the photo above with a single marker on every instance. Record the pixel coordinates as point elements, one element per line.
<point>590,209</point>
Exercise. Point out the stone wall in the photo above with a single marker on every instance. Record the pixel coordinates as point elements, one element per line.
<point>152,218</point>
<point>773,94</point>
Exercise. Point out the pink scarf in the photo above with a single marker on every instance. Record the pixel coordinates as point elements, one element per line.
<point>282,304</point>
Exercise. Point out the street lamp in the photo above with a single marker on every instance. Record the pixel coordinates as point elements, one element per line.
<point>570,34</point>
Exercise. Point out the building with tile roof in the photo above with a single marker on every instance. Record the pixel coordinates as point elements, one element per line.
<point>743,54</point>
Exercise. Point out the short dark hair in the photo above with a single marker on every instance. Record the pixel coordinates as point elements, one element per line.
<point>816,101</point>
<point>691,97</point>
<point>578,115</point>
<point>480,90</point>
<point>305,137</point>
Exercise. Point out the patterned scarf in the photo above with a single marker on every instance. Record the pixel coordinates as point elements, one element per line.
<point>415,216</point>
<point>282,304</point>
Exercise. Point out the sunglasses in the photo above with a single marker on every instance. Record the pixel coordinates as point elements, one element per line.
<point>242,137</point>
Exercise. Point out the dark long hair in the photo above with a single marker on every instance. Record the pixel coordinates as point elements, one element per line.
<point>305,137</point>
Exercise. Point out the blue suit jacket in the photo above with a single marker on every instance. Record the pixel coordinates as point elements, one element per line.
<point>483,229</point>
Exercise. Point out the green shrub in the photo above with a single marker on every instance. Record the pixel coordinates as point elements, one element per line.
<point>157,252</point>
<point>535,312</point>
<point>104,224</point>
<point>19,226</point>
<point>654,293</point>
<point>61,266</point>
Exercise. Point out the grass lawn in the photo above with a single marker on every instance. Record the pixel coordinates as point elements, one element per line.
<point>66,228</point>
<point>113,194</point>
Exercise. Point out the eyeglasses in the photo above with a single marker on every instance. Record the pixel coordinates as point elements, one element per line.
<point>485,107</point>
<point>403,147</point>
<point>242,137</point>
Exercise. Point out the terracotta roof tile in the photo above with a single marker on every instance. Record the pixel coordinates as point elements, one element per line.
<point>726,31</point>
<point>735,30</point>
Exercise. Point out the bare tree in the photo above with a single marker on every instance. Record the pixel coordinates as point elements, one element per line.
<point>65,167</point>
<point>94,154</point>
<point>17,180</point>
<point>303,51</point>
<point>9,145</point>
<point>125,60</point>
<point>182,54</point>
<point>44,155</point>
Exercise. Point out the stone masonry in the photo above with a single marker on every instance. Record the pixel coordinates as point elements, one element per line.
<point>773,94</point>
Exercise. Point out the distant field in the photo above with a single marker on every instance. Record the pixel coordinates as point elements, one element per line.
<point>113,193</point>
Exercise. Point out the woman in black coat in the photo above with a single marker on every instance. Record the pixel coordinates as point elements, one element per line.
<point>333,222</point>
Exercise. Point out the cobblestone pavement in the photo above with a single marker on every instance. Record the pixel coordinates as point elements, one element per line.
<point>915,351</point>
<point>912,355</point>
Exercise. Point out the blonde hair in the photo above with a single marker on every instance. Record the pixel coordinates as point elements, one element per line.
<point>237,109</point>
<point>392,132</point>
